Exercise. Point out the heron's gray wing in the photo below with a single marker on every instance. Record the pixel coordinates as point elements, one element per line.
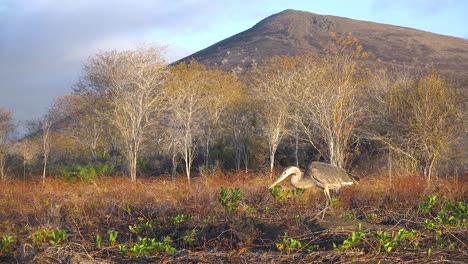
<point>330,175</point>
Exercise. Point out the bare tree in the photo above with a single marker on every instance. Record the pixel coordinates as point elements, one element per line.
<point>272,86</point>
<point>80,121</point>
<point>42,128</point>
<point>331,107</point>
<point>223,90</point>
<point>242,127</point>
<point>317,98</point>
<point>46,125</point>
<point>6,130</point>
<point>131,83</point>
<point>421,118</point>
<point>173,147</point>
<point>186,93</point>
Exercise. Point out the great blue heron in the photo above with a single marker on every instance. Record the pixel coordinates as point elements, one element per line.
<point>319,174</point>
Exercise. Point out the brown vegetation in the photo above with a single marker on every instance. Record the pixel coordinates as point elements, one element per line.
<point>86,209</point>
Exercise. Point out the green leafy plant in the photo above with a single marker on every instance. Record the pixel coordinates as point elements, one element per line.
<point>230,198</point>
<point>43,236</point>
<point>98,240</point>
<point>189,237</point>
<point>355,238</point>
<point>57,236</point>
<point>180,219</point>
<point>135,228</point>
<point>426,206</point>
<point>451,214</point>
<point>142,226</point>
<point>85,172</point>
<point>335,201</point>
<point>38,238</point>
<point>112,236</point>
<point>455,214</point>
<point>441,242</point>
<point>429,224</point>
<point>385,240</point>
<point>279,194</point>
<point>251,210</point>
<point>298,191</point>
<point>5,243</point>
<point>372,216</point>
<point>390,242</point>
<point>405,237</point>
<point>348,216</point>
<point>288,244</point>
<point>146,246</point>
<point>122,249</point>
<point>68,172</point>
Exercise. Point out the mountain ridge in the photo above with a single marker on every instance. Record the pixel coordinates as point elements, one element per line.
<point>294,32</point>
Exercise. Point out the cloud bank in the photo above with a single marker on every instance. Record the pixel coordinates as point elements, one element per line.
<point>44,43</point>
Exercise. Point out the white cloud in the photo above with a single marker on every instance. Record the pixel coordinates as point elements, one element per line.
<point>44,43</point>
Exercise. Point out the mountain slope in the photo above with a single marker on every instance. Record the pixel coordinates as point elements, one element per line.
<point>294,32</point>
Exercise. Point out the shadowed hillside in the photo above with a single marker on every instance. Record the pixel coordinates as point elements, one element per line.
<point>294,32</point>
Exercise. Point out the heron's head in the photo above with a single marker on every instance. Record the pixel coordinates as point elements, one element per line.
<point>284,175</point>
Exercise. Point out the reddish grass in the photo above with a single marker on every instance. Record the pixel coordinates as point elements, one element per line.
<point>24,201</point>
<point>89,208</point>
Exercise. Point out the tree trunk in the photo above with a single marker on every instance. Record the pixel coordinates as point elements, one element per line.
<point>272,163</point>
<point>132,158</point>
<point>45,167</point>
<point>2,166</point>
<point>174,165</point>
<point>296,148</point>
<point>246,157</point>
<point>208,150</point>
<point>187,164</point>
<point>133,170</point>
<point>390,165</point>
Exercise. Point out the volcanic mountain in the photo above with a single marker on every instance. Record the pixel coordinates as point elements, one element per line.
<point>293,32</point>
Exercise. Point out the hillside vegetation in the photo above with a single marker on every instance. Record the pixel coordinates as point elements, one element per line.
<point>131,114</point>
<point>294,32</point>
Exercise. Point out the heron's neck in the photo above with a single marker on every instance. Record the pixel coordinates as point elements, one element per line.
<point>296,177</point>
<point>299,181</point>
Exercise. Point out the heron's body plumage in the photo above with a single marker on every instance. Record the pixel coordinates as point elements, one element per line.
<point>319,174</point>
<point>329,176</point>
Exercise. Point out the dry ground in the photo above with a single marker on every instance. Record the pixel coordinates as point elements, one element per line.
<point>260,230</point>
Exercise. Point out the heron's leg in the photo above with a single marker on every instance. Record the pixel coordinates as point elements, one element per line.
<point>327,201</point>
<point>327,195</point>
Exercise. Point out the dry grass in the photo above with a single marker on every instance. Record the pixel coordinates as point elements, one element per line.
<point>86,209</point>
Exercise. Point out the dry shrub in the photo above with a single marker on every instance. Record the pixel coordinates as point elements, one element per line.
<point>397,200</point>
<point>93,202</point>
<point>86,209</point>
<point>407,190</point>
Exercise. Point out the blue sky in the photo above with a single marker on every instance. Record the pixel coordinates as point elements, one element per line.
<point>44,43</point>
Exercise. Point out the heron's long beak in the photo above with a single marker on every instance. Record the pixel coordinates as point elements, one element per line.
<point>280,179</point>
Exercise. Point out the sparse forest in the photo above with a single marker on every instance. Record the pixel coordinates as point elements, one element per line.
<point>152,162</point>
